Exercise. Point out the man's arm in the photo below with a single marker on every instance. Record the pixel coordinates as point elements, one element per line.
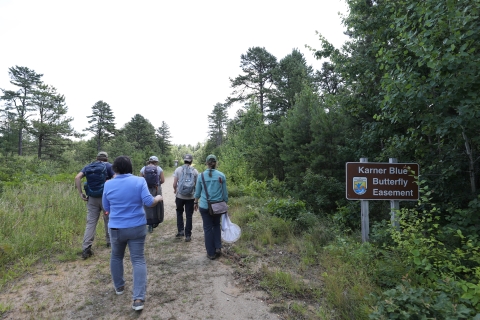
<point>78,185</point>
<point>175,182</point>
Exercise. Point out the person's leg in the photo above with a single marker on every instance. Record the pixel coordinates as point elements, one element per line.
<point>106,217</point>
<point>136,246</point>
<point>208,231</point>
<point>217,231</point>
<point>180,225</point>
<point>93,214</point>
<point>119,244</point>
<point>188,216</point>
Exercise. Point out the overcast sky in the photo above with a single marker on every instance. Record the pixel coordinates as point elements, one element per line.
<point>168,61</point>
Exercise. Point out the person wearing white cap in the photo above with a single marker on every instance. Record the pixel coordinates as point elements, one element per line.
<point>155,214</point>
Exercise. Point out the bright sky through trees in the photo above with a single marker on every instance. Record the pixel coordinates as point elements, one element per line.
<point>168,61</point>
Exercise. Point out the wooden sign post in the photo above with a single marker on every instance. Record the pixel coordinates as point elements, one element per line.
<point>381,181</point>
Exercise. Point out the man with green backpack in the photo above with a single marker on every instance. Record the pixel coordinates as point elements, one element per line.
<point>96,173</point>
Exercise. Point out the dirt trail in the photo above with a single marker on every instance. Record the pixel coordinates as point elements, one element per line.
<point>182,283</point>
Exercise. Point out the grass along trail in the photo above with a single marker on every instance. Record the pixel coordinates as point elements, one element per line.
<point>182,282</point>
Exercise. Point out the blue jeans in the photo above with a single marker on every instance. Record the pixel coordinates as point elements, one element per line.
<point>188,203</point>
<point>212,231</point>
<point>135,239</point>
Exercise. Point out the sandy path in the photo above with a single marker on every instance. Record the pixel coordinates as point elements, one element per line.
<point>182,283</point>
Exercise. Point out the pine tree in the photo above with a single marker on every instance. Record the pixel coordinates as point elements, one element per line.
<point>217,122</point>
<point>103,125</point>
<point>20,102</point>
<point>163,139</point>
<point>52,126</point>
<point>258,65</point>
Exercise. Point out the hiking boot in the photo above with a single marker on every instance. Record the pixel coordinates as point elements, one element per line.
<point>87,253</point>
<point>150,228</point>
<point>211,257</point>
<point>218,252</point>
<point>120,290</point>
<point>137,305</point>
<point>188,238</point>
<point>180,234</point>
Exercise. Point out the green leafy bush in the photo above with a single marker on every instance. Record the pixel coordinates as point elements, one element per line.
<point>305,221</point>
<point>322,193</point>
<point>287,209</point>
<point>406,302</point>
<point>256,189</point>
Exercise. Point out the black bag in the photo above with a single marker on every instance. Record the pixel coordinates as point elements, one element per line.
<point>154,215</point>
<point>218,207</point>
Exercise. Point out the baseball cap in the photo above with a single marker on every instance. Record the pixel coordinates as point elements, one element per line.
<point>102,154</point>
<point>153,158</point>
<point>211,157</point>
<point>188,157</point>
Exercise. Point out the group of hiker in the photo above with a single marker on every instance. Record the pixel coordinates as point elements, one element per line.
<point>133,205</point>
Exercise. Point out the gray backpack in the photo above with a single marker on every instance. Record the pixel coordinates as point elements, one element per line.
<point>186,183</point>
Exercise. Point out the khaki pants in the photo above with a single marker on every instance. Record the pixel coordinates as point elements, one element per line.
<point>94,207</point>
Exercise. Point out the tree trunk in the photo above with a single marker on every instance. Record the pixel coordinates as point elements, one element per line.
<point>470,163</point>
<point>20,142</point>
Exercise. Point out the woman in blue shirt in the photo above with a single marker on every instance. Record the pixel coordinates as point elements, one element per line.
<point>124,197</point>
<point>217,191</point>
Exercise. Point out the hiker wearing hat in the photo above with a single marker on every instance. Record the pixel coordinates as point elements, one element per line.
<point>216,183</point>
<point>184,179</point>
<point>154,177</point>
<point>96,173</point>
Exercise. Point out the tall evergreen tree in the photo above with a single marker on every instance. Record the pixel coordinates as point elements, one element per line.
<point>52,126</point>
<point>20,102</point>
<point>289,77</point>
<point>141,132</point>
<point>217,121</point>
<point>8,133</point>
<point>258,65</point>
<point>102,123</point>
<point>163,139</point>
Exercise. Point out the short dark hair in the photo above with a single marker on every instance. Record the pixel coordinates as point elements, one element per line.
<point>122,165</point>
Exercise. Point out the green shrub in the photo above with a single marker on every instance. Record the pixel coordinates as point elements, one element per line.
<point>305,222</point>
<point>256,189</point>
<point>287,209</point>
<point>322,193</point>
<point>406,302</point>
<point>235,191</point>
<point>277,187</point>
<point>281,229</point>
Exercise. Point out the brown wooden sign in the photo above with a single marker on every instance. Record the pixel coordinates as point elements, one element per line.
<point>381,181</point>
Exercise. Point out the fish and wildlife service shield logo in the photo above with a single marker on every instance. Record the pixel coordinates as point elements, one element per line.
<point>359,185</point>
